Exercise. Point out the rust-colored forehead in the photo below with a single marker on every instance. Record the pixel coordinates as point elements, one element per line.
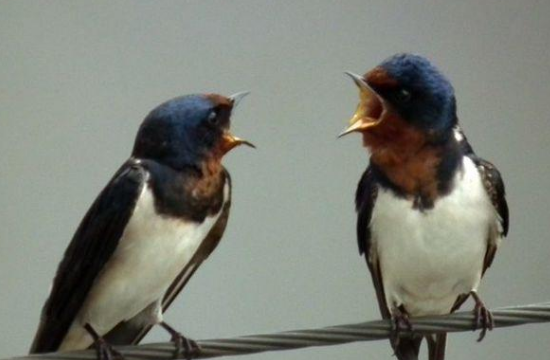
<point>380,78</point>
<point>219,100</point>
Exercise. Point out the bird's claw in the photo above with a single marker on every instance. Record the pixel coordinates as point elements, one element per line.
<point>106,352</point>
<point>483,317</point>
<point>400,322</point>
<point>185,348</point>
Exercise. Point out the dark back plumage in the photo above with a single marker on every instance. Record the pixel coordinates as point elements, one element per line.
<point>92,245</point>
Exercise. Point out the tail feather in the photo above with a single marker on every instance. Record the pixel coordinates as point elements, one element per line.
<point>408,348</point>
<point>436,346</point>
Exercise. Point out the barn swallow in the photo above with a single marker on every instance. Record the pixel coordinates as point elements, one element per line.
<point>161,215</point>
<point>431,213</point>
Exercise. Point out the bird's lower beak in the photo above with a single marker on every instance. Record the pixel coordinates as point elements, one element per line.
<point>229,141</point>
<point>370,111</point>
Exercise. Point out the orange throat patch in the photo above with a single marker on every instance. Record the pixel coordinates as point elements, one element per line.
<point>211,181</point>
<point>405,156</point>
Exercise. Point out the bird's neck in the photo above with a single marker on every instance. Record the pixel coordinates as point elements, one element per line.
<point>210,178</point>
<point>414,165</point>
<point>191,192</point>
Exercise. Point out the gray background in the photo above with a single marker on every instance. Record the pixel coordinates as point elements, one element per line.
<point>76,79</point>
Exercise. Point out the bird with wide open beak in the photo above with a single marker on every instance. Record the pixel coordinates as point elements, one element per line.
<point>372,108</point>
<point>231,141</point>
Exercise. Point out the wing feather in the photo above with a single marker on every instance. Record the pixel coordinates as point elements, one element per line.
<point>90,248</point>
<point>365,197</point>
<point>492,181</point>
<point>129,332</point>
<point>494,185</point>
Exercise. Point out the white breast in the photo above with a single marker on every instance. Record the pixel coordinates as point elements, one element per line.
<point>151,253</point>
<point>429,258</point>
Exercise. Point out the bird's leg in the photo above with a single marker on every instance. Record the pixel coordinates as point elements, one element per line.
<point>184,347</point>
<point>399,322</point>
<point>483,317</point>
<point>104,350</point>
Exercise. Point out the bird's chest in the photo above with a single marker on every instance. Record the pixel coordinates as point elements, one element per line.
<point>161,245</point>
<point>436,254</point>
<point>153,249</point>
<point>188,195</point>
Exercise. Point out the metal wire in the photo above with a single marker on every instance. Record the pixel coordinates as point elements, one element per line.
<point>333,335</point>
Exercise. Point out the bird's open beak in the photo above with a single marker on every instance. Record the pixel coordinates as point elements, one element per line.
<point>371,109</point>
<point>236,98</point>
<point>229,140</point>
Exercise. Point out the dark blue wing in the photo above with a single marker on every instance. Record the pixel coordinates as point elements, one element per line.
<point>492,181</point>
<point>494,185</point>
<point>91,247</point>
<point>365,197</point>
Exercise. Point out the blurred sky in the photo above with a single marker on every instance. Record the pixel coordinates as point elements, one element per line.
<point>77,78</point>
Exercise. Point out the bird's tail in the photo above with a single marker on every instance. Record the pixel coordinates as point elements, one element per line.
<point>436,346</point>
<point>408,348</point>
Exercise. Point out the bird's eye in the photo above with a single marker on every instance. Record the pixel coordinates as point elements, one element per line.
<point>213,117</point>
<point>403,95</point>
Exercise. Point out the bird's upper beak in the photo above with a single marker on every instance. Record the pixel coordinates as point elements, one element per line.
<point>236,98</point>
<point>371,109</point>
<point>230,141</point>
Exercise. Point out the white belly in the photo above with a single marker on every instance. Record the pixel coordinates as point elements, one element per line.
<point>151,253</point>
<point>429,258</point>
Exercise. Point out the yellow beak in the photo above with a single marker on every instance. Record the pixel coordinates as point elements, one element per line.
<point>371,108</point>
<point>230,141</point>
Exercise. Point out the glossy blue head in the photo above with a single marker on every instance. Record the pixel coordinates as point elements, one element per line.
<point>419,92</point>
<point>187,130</point>
<point>410,87</point>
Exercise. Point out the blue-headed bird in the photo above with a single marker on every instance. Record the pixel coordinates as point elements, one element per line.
<point>161,215</point>
<point>431,213</point>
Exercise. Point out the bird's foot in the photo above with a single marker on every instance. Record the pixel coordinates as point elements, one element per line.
<point>483,317</point>
<point>400,322</point>
<point>185,347</point>
<point>104,350</point>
